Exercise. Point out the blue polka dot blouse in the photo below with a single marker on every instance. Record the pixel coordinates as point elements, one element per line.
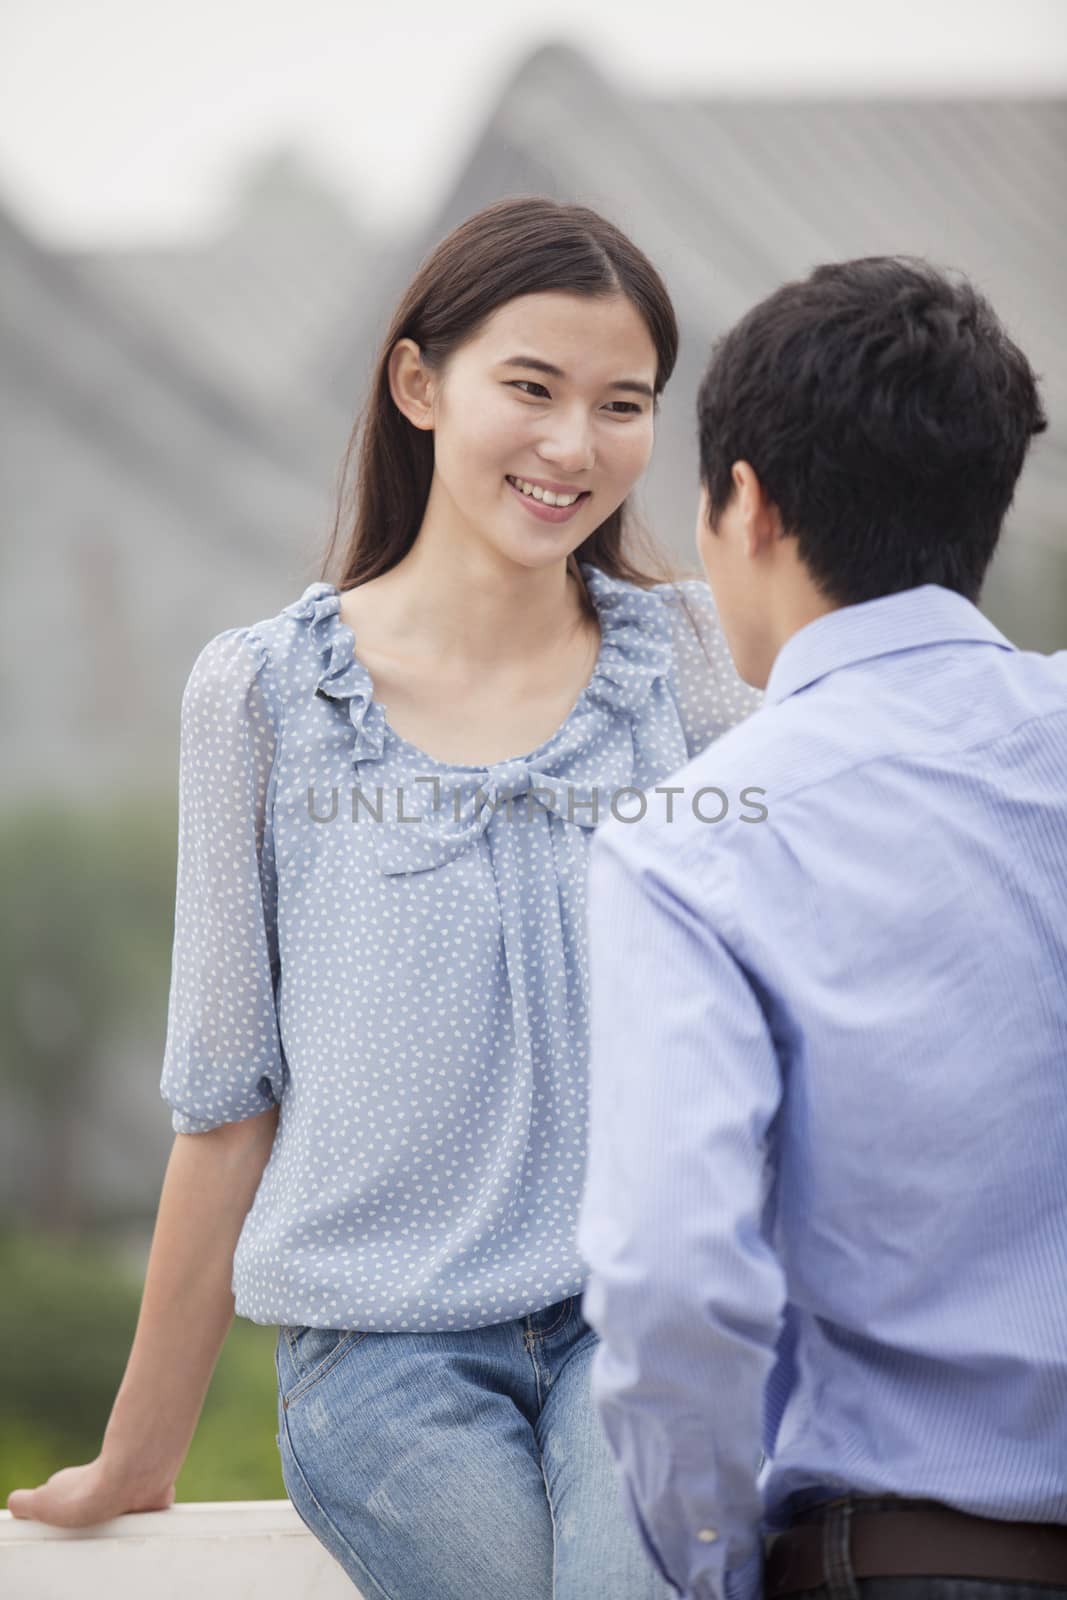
<point>393,950</point>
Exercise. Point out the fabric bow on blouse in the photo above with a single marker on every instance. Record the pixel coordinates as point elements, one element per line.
<point>439,819</point>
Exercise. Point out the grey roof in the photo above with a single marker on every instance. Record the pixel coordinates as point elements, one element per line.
<point>172,421</point>
<point>258,297</point>
<point>81,354</point>
<point>145,502</point>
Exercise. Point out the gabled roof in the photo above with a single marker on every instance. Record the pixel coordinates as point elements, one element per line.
<point>78,360</point>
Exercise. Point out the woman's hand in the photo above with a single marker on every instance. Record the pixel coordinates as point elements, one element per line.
<point>186,1310</point>
<point>77,1497</point>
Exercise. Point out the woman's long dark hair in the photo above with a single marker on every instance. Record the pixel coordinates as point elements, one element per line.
<point>521,245</point>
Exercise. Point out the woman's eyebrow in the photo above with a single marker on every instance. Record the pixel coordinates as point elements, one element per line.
<point>630,384</point>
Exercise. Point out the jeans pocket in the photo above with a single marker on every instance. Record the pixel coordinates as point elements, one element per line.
<point>312,1353</point>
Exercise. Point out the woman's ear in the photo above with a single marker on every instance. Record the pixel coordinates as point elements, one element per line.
<point>411,383</point>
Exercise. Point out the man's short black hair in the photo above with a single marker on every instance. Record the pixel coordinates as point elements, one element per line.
<point>886,414</point>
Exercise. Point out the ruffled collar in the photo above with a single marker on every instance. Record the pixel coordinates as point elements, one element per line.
<point>635,649</point>
<point>636,641</point>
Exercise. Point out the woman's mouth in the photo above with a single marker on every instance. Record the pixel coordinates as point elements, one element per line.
<point>543,504</point>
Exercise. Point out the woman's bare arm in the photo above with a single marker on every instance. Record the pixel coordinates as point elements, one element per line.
<point>186,1311</point>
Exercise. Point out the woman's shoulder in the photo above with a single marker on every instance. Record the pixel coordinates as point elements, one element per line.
<point>694,620</point>
<point>665,598</point>
<point>689,597</point>
<point>679,612</point>
<point>706,682</point>
<point>285,653</point>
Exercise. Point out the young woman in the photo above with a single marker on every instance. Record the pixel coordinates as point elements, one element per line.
<point>377,1033</point>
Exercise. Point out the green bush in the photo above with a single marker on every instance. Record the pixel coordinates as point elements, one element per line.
<point>85,939</point>
<point>67,1317</point>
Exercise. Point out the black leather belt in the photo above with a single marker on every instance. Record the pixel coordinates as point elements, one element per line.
<point>931,1541</point>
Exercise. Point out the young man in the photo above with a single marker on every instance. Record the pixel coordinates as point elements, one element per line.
<point>826,1202</point>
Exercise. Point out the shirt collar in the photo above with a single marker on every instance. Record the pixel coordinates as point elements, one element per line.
<point>906,620</point>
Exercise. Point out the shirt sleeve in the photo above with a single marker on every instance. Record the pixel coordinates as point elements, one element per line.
<point>223,1058</point>
<point>684,1287</point>
<point>711,696</point>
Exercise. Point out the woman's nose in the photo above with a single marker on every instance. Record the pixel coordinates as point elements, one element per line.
<point>569,447</point>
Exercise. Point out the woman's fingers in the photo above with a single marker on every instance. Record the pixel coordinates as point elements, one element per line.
<point>78,1497</point>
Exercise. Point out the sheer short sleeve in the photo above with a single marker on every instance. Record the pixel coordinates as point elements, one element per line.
<point>710,695</point>
<point>223,1058</point>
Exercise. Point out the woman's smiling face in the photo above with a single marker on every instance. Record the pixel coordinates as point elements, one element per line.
<point>501,418</point>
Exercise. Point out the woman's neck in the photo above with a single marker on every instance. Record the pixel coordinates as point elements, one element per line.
<point>475,609</point>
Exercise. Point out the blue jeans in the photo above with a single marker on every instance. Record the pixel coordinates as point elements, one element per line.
<point>464,1465</point>
<point>843,1585</point>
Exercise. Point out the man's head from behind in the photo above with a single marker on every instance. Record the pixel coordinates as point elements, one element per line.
<point>861,432</point>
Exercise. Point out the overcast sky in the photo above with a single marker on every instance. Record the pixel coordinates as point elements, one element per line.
<point>123,121</point>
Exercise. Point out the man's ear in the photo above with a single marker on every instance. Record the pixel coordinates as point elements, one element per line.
<point>411,383</point>
<point>760,521</point>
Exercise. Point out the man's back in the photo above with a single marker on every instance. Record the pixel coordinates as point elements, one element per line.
<point>903,915</point>
<point>826,1191</point>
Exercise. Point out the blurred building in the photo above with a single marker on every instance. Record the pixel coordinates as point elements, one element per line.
<point>173,420</point>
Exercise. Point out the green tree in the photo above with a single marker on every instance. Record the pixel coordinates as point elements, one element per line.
<point>84,946</point>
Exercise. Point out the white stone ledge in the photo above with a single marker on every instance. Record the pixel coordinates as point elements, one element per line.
<point>214,1550</point>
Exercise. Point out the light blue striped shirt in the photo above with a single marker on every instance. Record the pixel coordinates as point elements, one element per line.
<point>826,1196</point>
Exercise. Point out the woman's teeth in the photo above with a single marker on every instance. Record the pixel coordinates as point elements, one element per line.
<point>546,495</point>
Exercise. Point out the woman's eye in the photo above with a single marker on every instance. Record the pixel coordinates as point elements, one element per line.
<point>625,407</point>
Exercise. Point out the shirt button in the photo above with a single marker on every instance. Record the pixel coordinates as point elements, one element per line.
<point>707,1535</point>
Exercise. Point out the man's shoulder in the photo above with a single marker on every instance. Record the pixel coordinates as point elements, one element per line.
<point>1045,669</point>
<point>783,747</point>
<point>842,732</point>
<point>734,783</point>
